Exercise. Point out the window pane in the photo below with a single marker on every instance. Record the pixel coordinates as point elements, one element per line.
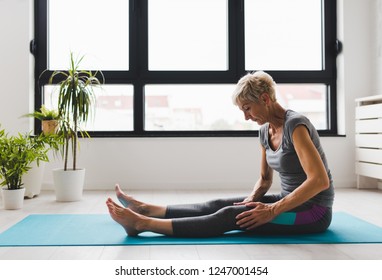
<point>188,35</point>
<point>98,29</point>
<point>193,107</point>
<point>307,99</point>
<point>283,35</point>
<point>114,107</point>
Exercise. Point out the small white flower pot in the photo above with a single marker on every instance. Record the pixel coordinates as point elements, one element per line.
<point>13,199</point>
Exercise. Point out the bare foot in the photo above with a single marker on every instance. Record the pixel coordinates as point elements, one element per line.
<point>129,202</point>
<point>129,220</point>
<point>122,197</point>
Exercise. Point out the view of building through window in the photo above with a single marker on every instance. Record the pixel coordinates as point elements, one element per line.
<point>113,110</point>
<point>193,107</point>
<point>201,107</point>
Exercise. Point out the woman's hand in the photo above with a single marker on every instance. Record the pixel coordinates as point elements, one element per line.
<point>245,201</point>
<point>259,214</point>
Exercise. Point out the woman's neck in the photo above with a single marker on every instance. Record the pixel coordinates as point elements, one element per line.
<point>277,117</point>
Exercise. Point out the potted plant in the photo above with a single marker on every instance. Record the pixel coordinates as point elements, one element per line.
<point>49,119</point>
<point>17,153</point>
<point>49,122</point>
<point>32,180</point>
<point>76,98</point>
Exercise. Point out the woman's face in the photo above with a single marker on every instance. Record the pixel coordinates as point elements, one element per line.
<point>254,111</point>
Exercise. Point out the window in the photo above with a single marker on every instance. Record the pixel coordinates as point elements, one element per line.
<point>102,34</point>
<point>289,38</point>
<point>171,65</point>
<point>179,42</point>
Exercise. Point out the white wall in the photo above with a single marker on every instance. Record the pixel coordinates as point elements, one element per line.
<point>15,64</point>
<point>376,46</point>
<point>172,163</point>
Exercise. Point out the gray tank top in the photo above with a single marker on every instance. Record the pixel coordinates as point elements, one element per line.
<point>286,162</point>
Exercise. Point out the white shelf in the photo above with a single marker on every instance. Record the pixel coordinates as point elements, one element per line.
<point>368,141</point>
<point>370,98</point>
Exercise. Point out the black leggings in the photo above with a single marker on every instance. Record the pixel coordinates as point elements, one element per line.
<point>215,217</point>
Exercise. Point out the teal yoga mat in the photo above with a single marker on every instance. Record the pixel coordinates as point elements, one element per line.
<point>101,230</point>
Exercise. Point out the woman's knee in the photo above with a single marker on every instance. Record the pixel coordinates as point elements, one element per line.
<point>228,214</point>
<point>215,205</point>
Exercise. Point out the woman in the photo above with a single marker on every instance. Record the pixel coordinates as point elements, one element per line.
<point>290,145</point>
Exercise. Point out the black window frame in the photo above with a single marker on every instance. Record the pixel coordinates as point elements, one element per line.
<point>138,74</point>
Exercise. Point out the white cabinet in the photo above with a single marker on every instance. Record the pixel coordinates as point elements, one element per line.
<point>368,141</point>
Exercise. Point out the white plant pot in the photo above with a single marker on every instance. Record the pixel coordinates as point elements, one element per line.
<point>13,199</point>
<point>33,179</point>
<point>69,184</point>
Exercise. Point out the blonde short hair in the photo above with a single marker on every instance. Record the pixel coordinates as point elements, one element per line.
<point>252,85</point>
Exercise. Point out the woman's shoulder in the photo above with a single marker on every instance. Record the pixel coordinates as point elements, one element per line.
<point>293,115</point>
<point>292,119</point>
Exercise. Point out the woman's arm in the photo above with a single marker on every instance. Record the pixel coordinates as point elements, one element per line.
<point>317,180</point>
<point>317,177</point>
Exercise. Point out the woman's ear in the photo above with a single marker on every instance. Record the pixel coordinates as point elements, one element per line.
<point>264,97</point>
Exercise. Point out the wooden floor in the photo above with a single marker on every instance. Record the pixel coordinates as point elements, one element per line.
<point>365,204</point>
